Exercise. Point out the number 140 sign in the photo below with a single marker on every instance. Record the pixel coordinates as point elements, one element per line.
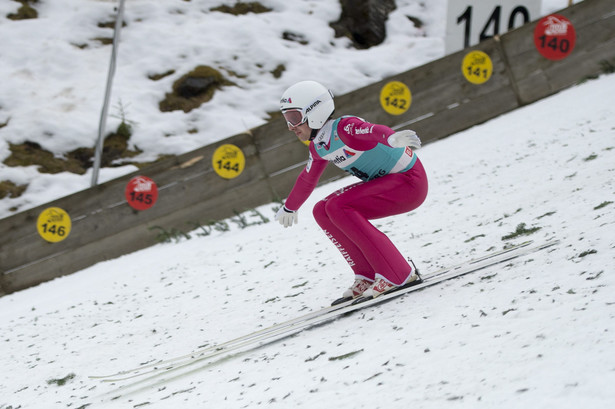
<point>554,37</point>
<point>469,22</point>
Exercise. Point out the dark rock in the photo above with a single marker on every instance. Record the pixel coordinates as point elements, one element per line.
<point>363,21</point>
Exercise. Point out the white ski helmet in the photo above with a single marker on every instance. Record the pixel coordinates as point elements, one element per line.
<point>313,101</point>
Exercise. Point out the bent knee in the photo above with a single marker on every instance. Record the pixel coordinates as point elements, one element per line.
<point>319,211</point>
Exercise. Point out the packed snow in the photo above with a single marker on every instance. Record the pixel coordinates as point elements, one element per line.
<point>536,332</point>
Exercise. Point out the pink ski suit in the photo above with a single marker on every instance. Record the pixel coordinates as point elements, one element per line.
<point>394,182</point>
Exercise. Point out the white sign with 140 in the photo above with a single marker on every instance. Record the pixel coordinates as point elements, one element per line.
<point>469,22</point>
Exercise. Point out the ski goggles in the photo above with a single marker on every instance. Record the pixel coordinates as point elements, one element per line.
<point>294,117</point>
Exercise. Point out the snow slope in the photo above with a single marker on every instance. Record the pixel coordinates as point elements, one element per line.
<point>537,332</point>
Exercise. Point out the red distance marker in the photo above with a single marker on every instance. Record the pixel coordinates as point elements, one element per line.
<point>554,37</point>
<point>141,192</point>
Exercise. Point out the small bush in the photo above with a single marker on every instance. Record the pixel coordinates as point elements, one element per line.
<point>521,231</point>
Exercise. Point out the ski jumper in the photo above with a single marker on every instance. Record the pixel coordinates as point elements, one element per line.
<point>393,182</point>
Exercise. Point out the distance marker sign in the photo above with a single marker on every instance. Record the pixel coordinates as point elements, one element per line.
<point>554,37</point>
<point>53,224</point>
<point>141,193</point>
<point>477,67</point>
<point>228,161</point>
<point>395,97</point>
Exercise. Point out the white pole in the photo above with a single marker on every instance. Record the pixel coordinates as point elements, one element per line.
<point>103,116</point>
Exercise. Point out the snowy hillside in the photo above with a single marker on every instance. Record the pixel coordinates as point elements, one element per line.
<point>537,332</point>
<point>55,68</point>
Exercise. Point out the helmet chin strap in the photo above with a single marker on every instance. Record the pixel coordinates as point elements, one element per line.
<point>313,134</point>
<point>315,131</point>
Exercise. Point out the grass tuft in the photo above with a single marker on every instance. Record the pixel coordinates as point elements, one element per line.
<point>521,231</point>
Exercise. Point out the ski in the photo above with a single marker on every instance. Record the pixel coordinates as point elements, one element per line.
<point>290,327</point>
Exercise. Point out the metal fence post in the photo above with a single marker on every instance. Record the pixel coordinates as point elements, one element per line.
<point>103,116</point>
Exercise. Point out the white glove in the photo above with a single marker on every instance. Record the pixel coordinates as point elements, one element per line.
<point>404,138</point>
<point>286,217</point>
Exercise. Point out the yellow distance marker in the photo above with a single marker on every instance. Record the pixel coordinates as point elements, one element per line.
<point>395,98</point>
<point>228,161</point>
<point>477,67</point>
<point>53,224</point>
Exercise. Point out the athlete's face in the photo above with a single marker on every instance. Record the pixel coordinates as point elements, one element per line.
<point>302,131</point>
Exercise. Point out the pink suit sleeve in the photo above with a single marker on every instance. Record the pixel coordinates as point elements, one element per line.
<point>306,181</point>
